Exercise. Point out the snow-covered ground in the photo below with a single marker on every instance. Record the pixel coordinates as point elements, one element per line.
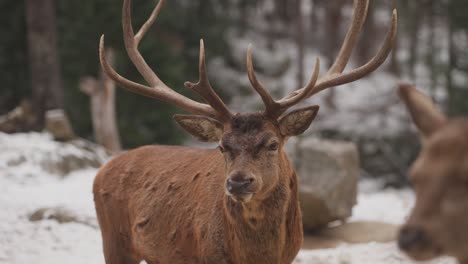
<point>26,187</point>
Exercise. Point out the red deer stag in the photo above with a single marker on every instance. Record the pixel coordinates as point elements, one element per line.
<point>235,204</point>
<point>437,224</point>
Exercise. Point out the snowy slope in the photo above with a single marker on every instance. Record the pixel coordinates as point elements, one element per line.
<point>25,187</point>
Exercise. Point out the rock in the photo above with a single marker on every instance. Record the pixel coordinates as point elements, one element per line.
<point>74,155</point>
<point>61,215</point>
<point>328,174</point>
<point>33,153</point>
<point>20,119</point>
<point>58,125</point>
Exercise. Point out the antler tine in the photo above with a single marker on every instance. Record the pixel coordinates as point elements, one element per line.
<point>291,101</point>
<point>131,45</point>
<point>276,108</point>
<point>270,104</point>
<point>359,17</point>
<point>203,87</point>
<point>141,33</point>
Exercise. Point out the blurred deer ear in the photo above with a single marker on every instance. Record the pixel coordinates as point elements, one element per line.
<point>298,121</point>
<point>203,128</point>
<point>424,113</point>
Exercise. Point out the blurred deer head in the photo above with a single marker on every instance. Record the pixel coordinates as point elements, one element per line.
<point>437,224</point>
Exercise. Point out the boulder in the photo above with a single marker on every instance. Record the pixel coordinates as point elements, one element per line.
<point>74,155</point>
<point>25,155</point>
<point>58,125</point>
<point>62,216</point>
<point>328,174</point>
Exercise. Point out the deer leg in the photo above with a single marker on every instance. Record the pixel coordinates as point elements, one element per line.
<point>115,254</point>
<point>114,241</point>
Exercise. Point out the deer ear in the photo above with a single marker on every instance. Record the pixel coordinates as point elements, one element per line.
<point>424,113</point>
<point>298,121</point>
<point>203,128</point>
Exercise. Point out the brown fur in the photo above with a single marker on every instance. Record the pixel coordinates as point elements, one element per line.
<point>167,204</point>
<point>440,179</point>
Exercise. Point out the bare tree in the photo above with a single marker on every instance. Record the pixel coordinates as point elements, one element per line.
<point>44,64</point>
<point>313,19</point>
<point>102,93</point>
<point>332,24</point>
<point>415,26</point>
<point>367,43</point>
<point>431,16</point>
<point>451,65</point>
<point>300,43</point>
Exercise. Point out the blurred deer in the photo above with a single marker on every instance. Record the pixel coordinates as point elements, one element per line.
<point>234,204</point>
<point>437,224</point>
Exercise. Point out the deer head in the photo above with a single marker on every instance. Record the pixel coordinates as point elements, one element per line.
<point>252,143</point>
<point>437,224</point>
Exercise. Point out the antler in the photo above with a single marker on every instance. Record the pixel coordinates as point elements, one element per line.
<point>276,108</point>
<point>158,89</point>
<point>335,75</point>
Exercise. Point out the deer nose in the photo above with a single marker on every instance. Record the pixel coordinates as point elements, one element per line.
<point>409,237</point>
<point>239,183</point>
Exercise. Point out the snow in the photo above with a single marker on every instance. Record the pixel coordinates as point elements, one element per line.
<point>25,187</point>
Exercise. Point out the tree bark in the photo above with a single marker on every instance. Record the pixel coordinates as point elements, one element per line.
<point>46,83</point>
<point>366,46</point>
<point>300,44</point>
<point>102,93</point>
<point>415,25</point>
<point>451,65</point>
<point>332,24</point>
<point>432,47</point>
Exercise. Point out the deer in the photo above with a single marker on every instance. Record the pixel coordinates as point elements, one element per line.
<point>436,225</point>
<point>236,203</point>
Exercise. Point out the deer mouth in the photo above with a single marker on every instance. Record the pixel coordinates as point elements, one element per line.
<point>418,244</point>
<point>243,197</point>
<point>424,252</point>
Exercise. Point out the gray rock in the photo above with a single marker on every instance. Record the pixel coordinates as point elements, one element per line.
<point>61,215</point>
<point>34,153</point>
<point>58,125</point>
<point>75,155</point>
<point>328,174</point>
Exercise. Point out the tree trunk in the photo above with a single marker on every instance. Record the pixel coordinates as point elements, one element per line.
<point>243,19</point>
<point>332,24</point>
<point>432,47</point>
<point>300,44</point>
<point>451,109</point>
<point>283,11</point>
<point>44,65</point>
<point>415,25</point>
<point>314,30</point>
<point>102,93</point>
<point>366,46</point>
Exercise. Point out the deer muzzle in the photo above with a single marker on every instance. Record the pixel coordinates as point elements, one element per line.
<point>240,185</point>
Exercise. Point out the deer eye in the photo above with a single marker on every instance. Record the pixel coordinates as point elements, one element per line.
<point>273,146</point>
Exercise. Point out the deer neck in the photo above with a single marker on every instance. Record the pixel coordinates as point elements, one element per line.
<point>260,227</point>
